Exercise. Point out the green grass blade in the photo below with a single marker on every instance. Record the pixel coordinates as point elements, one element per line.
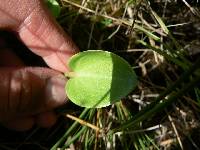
<point>64,137</point>
<point>74,137</point>
<point>148,33</point>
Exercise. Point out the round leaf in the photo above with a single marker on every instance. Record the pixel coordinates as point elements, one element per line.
<point>99,78</point>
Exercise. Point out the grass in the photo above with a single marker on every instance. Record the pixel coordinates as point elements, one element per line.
<point>158,39</point>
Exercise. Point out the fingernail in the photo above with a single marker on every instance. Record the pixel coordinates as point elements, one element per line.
<point>55,91</point>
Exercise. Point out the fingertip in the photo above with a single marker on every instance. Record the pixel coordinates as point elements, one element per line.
<point>44,36</point>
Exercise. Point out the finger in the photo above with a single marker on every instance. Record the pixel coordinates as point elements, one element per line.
<point>28,91</point>
<point>40,32</point>
<point>20,124</point>
<point>46,119</point>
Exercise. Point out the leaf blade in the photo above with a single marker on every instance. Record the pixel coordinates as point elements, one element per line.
<point>101,79</point>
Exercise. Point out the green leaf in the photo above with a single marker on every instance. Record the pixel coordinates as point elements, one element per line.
<point>54,7</point>
<point>98,79</point>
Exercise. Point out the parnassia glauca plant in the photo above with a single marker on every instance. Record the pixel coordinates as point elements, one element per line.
<point>98,79</point>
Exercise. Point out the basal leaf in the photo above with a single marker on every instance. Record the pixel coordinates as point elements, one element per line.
<point>99,78</point>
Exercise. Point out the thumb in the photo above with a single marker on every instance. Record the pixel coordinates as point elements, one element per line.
<point>41,33</point>
<point>29,91</point>
<point>38,30</point>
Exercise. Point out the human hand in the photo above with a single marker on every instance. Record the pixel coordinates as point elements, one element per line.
<point>27,94</point>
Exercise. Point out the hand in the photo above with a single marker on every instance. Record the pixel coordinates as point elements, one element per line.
<point>27,94</point>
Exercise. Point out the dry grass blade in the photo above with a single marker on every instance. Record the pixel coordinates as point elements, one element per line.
<point>85,123</point>
<point>193,10</point>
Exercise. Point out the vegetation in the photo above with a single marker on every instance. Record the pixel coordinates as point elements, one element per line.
<point>159,39</point>
<point>95,78</point>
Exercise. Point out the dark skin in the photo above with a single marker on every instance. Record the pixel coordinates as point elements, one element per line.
<point>29,95</point>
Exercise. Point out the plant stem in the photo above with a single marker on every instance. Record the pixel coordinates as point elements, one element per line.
<point>70,74</point>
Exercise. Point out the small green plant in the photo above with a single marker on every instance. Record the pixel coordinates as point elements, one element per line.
<point>54,7</point>
<point>98,79</point>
